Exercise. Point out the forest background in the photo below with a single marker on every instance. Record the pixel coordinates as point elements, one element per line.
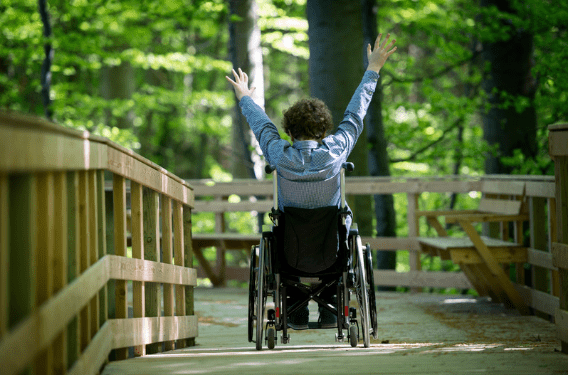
<point>471,89</point>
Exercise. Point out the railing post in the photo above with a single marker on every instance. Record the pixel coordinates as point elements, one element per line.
<point>73,237</point>
<point>119,208</point>
<point>538,241</point>
<point>188,262</point>
<point>4,249</point>
<point>60,235</point>
<point>552,220</point>
<point>44,255</point>
<point>110,245</point>
<point>151,225</point>
<point>558,152</point>
<point>220,257</point>
<point>84,243</point>
<point>414,256</point>
<point>93,247</point>
<point>167,258</point>
<point>136,225</point>
<point>102,241</point>
<point>179,261</point>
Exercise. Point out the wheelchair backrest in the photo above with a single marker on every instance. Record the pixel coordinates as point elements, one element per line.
<point>311,240</point>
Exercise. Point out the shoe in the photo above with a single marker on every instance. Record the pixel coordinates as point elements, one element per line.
<point>327,319</point>
<point>299,320</point>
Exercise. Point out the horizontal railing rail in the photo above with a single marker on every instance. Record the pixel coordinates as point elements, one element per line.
<point>71,291</point>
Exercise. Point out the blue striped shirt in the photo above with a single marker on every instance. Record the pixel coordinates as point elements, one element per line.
<point>309,172</point>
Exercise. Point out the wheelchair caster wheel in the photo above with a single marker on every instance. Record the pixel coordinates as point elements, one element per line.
<point>285,339</point>
<point>353,336</point>
<point>271,337</point>
<point>339,338</point>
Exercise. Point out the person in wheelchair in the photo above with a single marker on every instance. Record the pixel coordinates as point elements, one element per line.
<point>309,169</point>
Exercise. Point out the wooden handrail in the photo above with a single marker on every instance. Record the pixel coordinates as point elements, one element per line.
<point>57,256</point>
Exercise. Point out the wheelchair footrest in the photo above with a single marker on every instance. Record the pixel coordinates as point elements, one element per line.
<point>316,325</point>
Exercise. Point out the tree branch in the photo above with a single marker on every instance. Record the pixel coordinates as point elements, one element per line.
<point>431,76</point>
<point>415,154</point>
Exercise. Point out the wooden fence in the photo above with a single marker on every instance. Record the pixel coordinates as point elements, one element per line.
<point>542,293</point>
<point>65,269</point>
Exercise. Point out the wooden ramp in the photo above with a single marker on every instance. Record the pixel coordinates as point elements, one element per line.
<point>418,334</point>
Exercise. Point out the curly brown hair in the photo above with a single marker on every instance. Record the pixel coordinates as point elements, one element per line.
<point>308,119</point>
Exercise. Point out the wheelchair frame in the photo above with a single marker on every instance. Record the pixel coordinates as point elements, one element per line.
<point>356,278</point>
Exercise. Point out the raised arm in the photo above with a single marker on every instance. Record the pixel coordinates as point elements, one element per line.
<point>352,124</point>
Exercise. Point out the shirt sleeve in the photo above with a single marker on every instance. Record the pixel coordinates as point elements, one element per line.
<point>352,124</point>
<point>265,131</point>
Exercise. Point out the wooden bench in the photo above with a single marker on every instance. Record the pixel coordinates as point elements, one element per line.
<point>479,257</point>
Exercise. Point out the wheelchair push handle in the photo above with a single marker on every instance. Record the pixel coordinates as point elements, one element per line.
<point>345,167</point>
<point>269,168</point>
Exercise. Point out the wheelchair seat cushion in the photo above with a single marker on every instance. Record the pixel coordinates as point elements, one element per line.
<point>310,238</point>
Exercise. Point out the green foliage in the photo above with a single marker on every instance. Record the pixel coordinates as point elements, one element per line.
<point>175,106</point>
<point>432,85</point>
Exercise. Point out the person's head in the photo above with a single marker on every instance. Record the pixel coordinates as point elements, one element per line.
<point>308,119</point>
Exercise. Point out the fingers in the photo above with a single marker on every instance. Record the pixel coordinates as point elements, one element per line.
<point>383,47</point>
<point>385,41</point>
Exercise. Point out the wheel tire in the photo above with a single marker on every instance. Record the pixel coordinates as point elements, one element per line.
<point>362,292</point>
<point>371,291</point>
<point>353,335</point>
<point>261,294</point>
<point>271,337</point>
<point>252,296</point>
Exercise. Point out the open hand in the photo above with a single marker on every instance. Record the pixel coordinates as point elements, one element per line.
<point>240,85</point>
<point>379,55</point>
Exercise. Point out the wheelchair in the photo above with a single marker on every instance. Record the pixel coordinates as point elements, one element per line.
<point>293,257</point>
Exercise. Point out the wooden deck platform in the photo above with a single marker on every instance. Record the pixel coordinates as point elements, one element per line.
<point>418,334</point>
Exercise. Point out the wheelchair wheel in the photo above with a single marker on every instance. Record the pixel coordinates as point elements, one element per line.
<point>371,291</point>
<point>362,291</point>
<point>252,292</point>
<point>353,335</point>
<point>261,293</point>
<point>271,335</point>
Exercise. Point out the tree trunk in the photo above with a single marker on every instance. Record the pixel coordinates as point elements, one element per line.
<point>335,70</point>
<point>117,82</point>
<point>246,53</point>
<point>378,158</point>
<point>506,127</point>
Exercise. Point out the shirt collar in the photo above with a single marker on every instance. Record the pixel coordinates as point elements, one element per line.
<point>305,144</point>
